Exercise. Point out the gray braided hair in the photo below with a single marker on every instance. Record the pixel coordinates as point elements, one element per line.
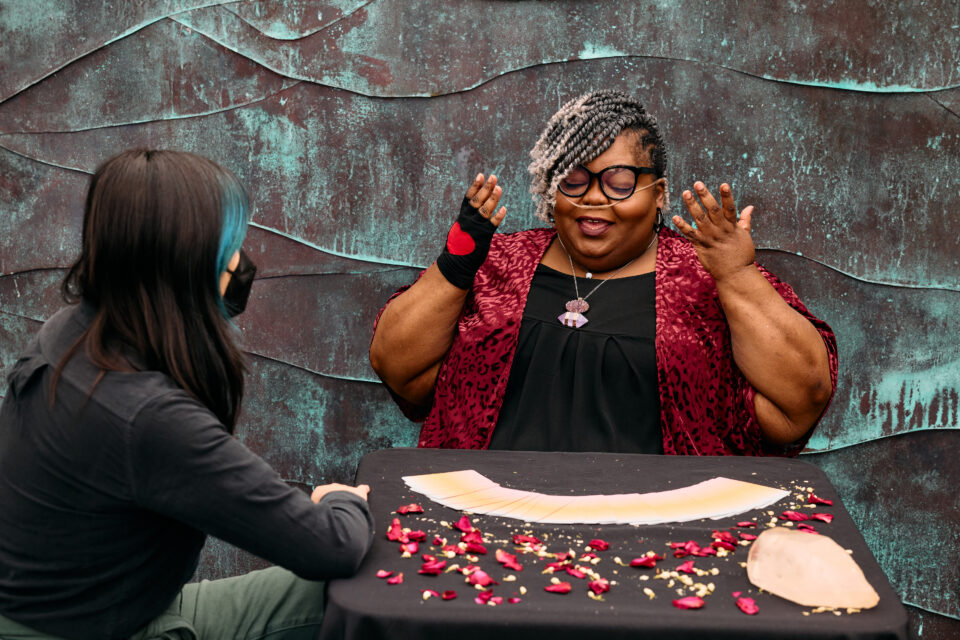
<point>580,131</point>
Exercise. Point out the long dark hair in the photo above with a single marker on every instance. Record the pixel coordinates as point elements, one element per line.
<point>159,227</point>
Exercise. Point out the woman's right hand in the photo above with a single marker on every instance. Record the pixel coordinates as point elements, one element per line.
<point>484,196</point>
<point>362,490</point>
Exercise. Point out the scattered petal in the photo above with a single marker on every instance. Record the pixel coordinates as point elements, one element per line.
<point>813,499</point>
<point>598,586</point>
<point>476,547</point>
<point>513,600</point>
<point>686,567</point>
<point>508,560</point>
<point>822,517</point>
<point>748,606</point>
<point>748,536</point>
<point>599,545</point>
<point>737,594</point>
<point>410,547</point>
<point>690,602</point>
<point>575,572</point>
<point>448,595</point>
<point>432,567</point>
<point>480,577</point>
<point>439,542</point>
<point>646,561</point>
<point>723,544</point>
<point>794,516</point>
<point>560,587</point>
<point>463,524</point>
<point>519,539</point>
<point>417,536</point>
<point>747,524</point>
<point>725,536</point>
<point>426,594</point>
<point>410,508</point>
<point>395,532</point>
<point>397,579</point>
<point>383,573</point>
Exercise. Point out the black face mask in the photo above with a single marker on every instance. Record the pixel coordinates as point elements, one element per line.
<point>238,289</point>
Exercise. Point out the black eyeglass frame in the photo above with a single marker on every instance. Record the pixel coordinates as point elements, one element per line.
<point>637,172</point>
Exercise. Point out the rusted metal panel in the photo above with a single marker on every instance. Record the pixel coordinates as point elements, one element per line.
<point>849,150</point>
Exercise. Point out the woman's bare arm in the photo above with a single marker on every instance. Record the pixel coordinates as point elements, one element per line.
<point>778,350</point>
<point>417,328</point>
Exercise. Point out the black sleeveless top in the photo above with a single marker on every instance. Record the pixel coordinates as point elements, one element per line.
<point>588,389</point>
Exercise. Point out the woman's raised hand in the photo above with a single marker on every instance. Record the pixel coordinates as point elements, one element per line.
<point>484,196</point>
<point>723,243</point>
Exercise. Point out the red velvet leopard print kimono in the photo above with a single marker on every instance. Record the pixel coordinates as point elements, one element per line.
<point>706,405</point>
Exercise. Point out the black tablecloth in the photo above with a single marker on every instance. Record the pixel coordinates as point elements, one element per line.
<point>367,608</point>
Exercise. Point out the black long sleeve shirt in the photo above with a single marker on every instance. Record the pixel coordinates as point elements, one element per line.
<point>106,499</point>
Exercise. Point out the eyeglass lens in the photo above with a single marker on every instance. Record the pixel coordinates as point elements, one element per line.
<point>617,183</point>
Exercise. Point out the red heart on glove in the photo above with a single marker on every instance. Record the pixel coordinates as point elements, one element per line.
<point>459,242</point>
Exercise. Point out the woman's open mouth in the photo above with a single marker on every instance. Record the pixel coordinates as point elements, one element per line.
<point>593,226</point>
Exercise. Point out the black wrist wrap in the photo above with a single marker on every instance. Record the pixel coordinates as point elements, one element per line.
<point>468,242</point>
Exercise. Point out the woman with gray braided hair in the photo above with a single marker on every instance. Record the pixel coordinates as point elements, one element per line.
<point>605,331</point>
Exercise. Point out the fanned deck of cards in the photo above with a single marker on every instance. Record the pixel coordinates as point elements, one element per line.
<point>715,498</point>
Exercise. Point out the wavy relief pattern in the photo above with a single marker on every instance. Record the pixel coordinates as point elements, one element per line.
<point>828,45</point>
<point>49,34</point>
<point>856,181</point>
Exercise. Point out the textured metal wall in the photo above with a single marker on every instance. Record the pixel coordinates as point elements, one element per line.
<point>356,125</point>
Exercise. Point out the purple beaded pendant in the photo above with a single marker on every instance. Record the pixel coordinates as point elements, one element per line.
<point>574,316</point>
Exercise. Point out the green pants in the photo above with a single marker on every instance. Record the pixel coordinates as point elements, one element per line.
<point>272,604</point>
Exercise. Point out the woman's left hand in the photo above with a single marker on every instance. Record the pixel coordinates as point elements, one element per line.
<point>723,243</point>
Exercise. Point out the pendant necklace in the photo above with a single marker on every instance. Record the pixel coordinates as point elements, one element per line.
<point>573,317</point>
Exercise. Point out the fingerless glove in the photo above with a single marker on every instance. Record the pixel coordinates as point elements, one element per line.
<point>468,242</point>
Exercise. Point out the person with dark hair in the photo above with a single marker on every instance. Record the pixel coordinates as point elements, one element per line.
<point>606,331</point>
<point>117,457</point>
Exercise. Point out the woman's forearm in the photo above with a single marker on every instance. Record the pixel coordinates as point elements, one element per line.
<point>414,334</point>
<point>779,352</point>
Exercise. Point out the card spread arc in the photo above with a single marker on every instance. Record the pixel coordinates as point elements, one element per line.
<point>715,498</point>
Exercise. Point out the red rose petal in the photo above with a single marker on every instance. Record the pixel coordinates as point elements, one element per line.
<point>562,587</point>
<point>736,594</point>
<point>432,568</point>
<point>508,560</point>
<point>433,594</point>
<point>481,578</point>
<point>513,600</point>
<point>438,541</point>
<point>519,539</point>
<point>397,579</point>
<point>725,536</point>
<point>417,536</point>
<point>747,524</point>
<point>599,545</point>
<point>473,535</point>
<point>748,536</point>
<point>576,573</point>
<point>822,517</point>
<point>748,606</point>
<point>720,544</point>
<point>473,547</point>
<point>794,515</point>
<point>410,508</point>
<point>690,602</point>
<point>410,547</point>
<point>598,586</point>
<point>452,548</point>
<point>463,524</point>
<point>483,597</point>
<point>383,573</point>
<point>645,561</point>
<point>395,531</point>
<point>804,526</point>
<point>813,499</point>
<point>686,567</point>
<point>496,600</point>
<point>448,595</point>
